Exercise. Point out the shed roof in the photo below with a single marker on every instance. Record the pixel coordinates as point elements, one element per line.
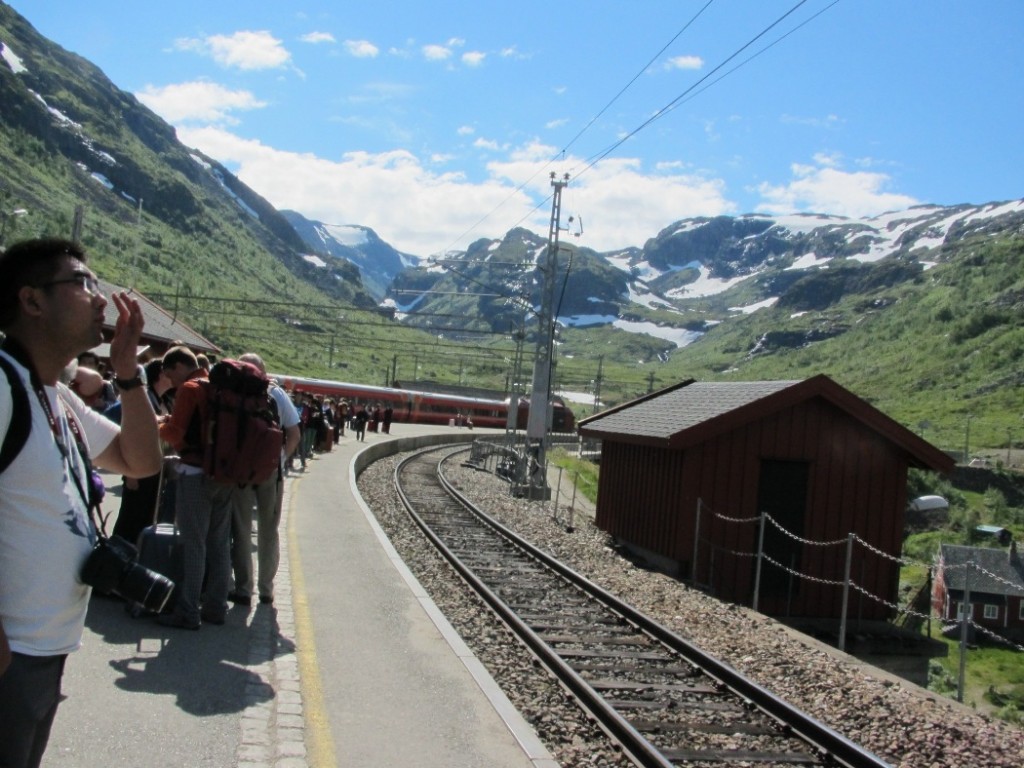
<point>692,412</point>
<point>161,325</point>
<point>999,572</point>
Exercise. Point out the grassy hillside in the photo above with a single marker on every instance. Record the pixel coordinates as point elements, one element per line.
<point>942,354</point>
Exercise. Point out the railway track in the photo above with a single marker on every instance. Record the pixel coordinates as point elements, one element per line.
<point>664,701</point>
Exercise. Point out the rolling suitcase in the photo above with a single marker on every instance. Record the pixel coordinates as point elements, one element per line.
<point>160,550</point>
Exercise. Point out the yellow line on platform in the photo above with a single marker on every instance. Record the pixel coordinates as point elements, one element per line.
<point>319,742</point>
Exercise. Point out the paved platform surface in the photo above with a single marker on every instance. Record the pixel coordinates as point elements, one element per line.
<point>353,665</point>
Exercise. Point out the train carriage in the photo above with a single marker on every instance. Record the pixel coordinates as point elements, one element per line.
<point>416,407</point>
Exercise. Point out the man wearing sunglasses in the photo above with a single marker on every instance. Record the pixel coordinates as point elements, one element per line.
<point>51,310</point>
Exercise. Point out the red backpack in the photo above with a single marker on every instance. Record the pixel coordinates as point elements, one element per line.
<point>244,435</point>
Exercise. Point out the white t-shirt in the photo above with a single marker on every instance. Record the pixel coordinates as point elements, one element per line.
<point>45,531</point>
<point>286,410</point>
<point>286,413</point>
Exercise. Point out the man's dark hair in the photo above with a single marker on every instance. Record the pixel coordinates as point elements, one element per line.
<point>180,356</point>
<point>153,370</point>
<point>30,262</point>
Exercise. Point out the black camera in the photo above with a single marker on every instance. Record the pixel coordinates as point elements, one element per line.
<point>113,566</point>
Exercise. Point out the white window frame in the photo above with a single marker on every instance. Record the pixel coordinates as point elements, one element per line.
<point>991,611</point>
<point>1021,609</point>
<point>960,610</point>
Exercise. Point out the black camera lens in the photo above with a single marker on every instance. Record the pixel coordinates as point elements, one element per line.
<point>149,589</point>
<point>112,567</point>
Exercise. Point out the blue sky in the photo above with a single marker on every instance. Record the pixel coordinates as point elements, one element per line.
<point>439,123</point>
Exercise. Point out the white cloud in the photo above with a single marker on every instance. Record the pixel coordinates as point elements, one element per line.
<point>829,121</point>
<point>317,37</point>
<point>825,188</point>
<point>684,62</point>
<point>622,203</point>
<point>199,100</point>
<point>425,213</point>
<point>556,123</point>
<point>428,211</point>
<point>436,52</point>
<point>466,130</point>
<point>361,49</point>
<point>244,50</point>
<point>512,52</point>
<point>487,144</point>
<point>473,58</point>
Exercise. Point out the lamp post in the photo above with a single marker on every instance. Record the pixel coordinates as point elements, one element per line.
<point>8,215</point>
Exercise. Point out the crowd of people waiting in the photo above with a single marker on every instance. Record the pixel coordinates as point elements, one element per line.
<point>143,420</point>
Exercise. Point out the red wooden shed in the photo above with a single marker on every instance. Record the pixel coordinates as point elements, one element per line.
<point>687,471</point>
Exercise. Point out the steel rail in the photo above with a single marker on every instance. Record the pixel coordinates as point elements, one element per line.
<point>829,744</point>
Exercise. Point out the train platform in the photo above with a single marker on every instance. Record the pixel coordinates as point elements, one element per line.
<point>352,665</point>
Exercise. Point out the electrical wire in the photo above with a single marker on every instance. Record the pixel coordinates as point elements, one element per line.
<point>579,134</point>
<point>595,159</point>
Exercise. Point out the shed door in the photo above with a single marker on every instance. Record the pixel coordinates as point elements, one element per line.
<point>782,493</point>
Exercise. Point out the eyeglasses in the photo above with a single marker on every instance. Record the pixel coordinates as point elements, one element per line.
<point>83,280</point>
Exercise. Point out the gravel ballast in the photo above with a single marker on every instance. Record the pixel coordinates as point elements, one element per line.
<point>897,721</point>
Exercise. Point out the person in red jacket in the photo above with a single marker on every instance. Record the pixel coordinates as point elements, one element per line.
<point>203,505</point>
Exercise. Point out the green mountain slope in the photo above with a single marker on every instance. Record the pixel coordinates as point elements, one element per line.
<point>161,218</point>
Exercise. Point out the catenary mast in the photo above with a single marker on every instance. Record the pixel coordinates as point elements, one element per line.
<point>538,427</point>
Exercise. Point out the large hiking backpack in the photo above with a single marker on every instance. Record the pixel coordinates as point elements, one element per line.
<point>244,436</point>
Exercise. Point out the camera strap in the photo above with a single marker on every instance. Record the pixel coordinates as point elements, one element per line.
<point>16,351</point>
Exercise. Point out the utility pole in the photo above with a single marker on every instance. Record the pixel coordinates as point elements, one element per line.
<point>597,383</point>
<point>76,226</point>
<point>512,421</point>
<point>138,247</point>
<point>538,427</point>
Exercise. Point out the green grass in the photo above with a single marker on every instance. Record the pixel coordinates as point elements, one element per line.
<point>993,676</point>
<point>583,473</point>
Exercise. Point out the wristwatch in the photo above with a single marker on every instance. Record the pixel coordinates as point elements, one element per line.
<point>135,381</point>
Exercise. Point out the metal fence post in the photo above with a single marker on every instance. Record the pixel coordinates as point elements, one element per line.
<point>846,592</point>
<point>965,622</point>
<point>696,543</point>
<point>760,552</point>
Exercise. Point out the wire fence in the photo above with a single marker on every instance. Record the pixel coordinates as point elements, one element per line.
<point>857,550</point>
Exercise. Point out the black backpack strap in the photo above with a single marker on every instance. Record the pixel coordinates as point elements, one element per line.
<point>21,416</point>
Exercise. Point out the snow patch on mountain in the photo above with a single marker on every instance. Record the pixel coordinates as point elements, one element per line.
<point>751,308</point>
<point>346,234</point>
<point>808,261</point>
<point>681,337</point>
<point>12,59</point>
<point>705,285</point>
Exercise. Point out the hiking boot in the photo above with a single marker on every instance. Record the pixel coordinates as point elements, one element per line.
<point>240,599</point>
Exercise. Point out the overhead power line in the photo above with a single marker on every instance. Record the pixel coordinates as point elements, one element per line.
<point>594,160</point>
<point>575,138</point>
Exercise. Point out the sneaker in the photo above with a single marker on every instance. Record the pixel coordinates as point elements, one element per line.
<point>239,599</point>
<point>177,621</point>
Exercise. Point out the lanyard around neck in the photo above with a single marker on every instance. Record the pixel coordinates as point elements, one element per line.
<point>15,350</point>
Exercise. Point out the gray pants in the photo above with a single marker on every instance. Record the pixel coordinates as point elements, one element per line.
<point>266,499</point>
<point>204,524</point>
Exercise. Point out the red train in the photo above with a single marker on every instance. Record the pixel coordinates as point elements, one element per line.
<point>411,406</point>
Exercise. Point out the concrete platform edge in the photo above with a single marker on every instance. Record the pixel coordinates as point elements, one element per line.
<point>522,731</point>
